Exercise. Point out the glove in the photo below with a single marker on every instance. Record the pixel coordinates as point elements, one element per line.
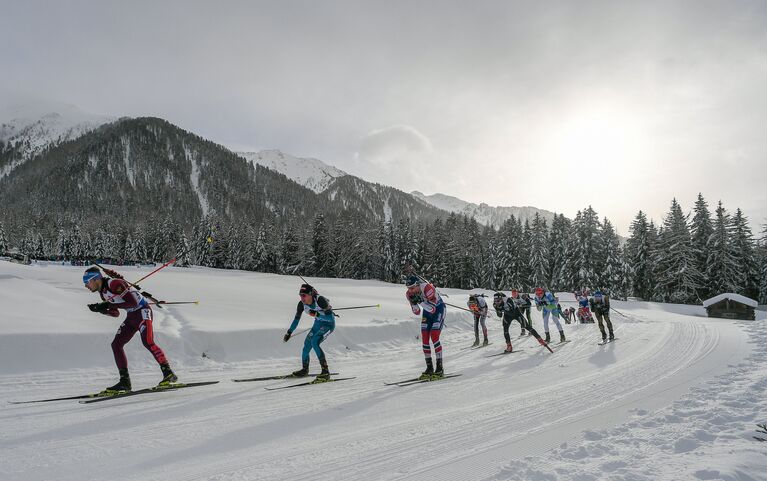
<point>100,307</point>
<point>415,298</point>
<point>312,313</point>
<point>286,337</point>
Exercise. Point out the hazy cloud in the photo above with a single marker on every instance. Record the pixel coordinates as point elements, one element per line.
<point>622,105</point>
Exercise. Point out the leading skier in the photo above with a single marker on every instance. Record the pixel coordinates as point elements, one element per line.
<point>119,294</point>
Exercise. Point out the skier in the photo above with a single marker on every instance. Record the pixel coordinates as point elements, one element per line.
<point>424,299</point>
<point>524,303</point>
<point>478,306</point>
<point>116,294</point>
<point>545,301</point>
<point>584,315</point>
<point>600,305</point>
<point>509,311</point>
<point>319,308</point>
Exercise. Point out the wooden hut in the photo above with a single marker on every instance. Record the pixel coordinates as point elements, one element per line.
<point>731,306</point>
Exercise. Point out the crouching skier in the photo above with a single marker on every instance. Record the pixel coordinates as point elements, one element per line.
<point>119,294</point>
<point>320,309</point>
<point>600,305</point>
<point>545,300</point>
<point>424,299</point>
<point>509,311</point>
<point>478,307</point>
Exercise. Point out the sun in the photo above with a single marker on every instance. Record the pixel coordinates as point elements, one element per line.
<point>607,139</point>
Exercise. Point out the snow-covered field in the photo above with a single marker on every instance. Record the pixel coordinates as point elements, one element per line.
<point>675,398</point>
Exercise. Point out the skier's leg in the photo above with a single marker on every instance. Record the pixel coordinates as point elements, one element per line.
<point>322,333</point>
<point>555,315</point>
<point>484,327</point>
<point>546,321</point>
<point>147,335</point>
<point>609,325</point>
<point>124,334</point>
<point>601,325</point>
<point>476,329</point>
<point>506,324</point>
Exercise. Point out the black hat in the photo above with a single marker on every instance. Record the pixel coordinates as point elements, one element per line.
<point>307,289</point>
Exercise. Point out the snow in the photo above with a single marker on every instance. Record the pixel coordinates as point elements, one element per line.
<point>676,397</point>
<point>194,177</point>
<point>309,172</point>
<point>41,124</point>
<point>483,213</point>
<point>733,297</point>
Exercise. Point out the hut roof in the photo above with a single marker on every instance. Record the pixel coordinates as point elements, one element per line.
<point>733,297</point>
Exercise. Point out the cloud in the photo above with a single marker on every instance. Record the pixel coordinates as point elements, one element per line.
<point>394,145</point>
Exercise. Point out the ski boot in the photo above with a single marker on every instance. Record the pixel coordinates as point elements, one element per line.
<point>429,370</point>
<point>303,372</point>
<point>438,372</point>
<point>485,343</point>
<point>168,377</point>
<point>508,347</point>
<point>476,342</point>
<point>548,338</point>
<point>612,336</point>
<point>123,385</point>
<point>562,336</point>
<point>324,376</point>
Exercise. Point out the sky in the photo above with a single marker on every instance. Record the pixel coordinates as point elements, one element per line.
<point>558,105</point>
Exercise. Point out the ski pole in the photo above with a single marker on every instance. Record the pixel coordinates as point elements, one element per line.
<point>355,307</point>
<point>427,281</point>
<point>619,312</point>
<point>459,307</point>
<point>174,302</point>
<point>119,276</point>
<point>297,333</point>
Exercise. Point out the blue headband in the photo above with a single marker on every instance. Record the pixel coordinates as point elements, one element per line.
<point>90,275</point>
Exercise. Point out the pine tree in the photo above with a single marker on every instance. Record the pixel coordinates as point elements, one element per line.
<point>744,252</point>
<point>539,255</point>
<point>763,279</point>
<point>722,266</point>
<point>587,259</point>
<point>4,248</point>
<point>678,280</point>
<point>613,276</point>
<point>321,260</point>
<point>558,238</point>
<point>640,251</point>
<point>701,230</point>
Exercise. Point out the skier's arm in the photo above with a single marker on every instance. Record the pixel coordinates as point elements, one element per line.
<point>122,289</point>
<point>297,318</point>
<point>324,304</point>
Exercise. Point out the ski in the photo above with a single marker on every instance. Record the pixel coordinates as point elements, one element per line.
<point>82,396</point>
<point>418,380</point>
<point>172,387</point>
<point>308,383</point>
<point>602,343</point>
<point>559,344</point>
<point>505,352</point>
<point>277,378</point>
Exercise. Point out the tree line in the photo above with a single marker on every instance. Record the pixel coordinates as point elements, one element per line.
<point>685,259</point>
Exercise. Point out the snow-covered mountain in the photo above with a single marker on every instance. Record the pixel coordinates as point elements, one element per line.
<point>312,173</point>
<point>483,213</point>
<point>28,129</point>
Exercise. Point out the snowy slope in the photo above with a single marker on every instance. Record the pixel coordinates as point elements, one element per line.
<point>35,126</point>
<point>675,398</point>
<point>483,213</point>
<point>309,172</point>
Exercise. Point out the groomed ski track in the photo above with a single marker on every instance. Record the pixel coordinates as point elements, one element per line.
<point>467,428</point>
